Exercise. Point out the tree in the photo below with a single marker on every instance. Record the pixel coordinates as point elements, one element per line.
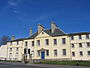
<point>4,39</point>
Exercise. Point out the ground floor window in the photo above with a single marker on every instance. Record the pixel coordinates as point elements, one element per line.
<point>55,52</point>
<point>88,53</point>
<point>64,52</point>
<point>73,53</point>
<point>81,53</point>
<point>38,53</point>
<point>47,52</point>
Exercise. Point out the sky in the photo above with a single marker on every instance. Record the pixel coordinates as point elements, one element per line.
<point>17,16</point>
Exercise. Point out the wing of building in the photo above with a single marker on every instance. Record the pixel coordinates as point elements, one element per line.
<point>51,44</point>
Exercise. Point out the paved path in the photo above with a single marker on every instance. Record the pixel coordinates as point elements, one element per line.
<point>20,65</point>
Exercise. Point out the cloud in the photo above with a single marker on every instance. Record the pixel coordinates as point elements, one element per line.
<point>13,2</point>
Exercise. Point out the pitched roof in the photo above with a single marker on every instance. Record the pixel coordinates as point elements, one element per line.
<point>20,39</point>
<point>57,32</point>
<point>79,33</point>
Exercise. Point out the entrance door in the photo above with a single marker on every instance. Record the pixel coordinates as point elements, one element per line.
<point>43,55</point>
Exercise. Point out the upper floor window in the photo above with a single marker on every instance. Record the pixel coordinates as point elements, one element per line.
<point>80,44</point>
<point>55,41</point>
<point>63,41</point>
<point>73,53</point>
<point>32,43</point>
<point>80,36</point>
<point>38,42</point>
<point>88,53</point>
<point>17,49</point>
<point>72,37</point>
<point>11,43</point>
<point>26,43</point>
<point>55,52</point>
<point>17,42</point>
<point>64,52</point>
<point>87,36</point>
<point>10,49</point>
<point>47,41</point>
<point>88,44</point>
<point>47,52</point>
<point>81,53</point>
<point>73,46</point>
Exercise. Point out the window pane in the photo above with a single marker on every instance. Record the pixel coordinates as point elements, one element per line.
<point>32,43</point>
<point>81,53</point>
<point>47,52</point>
<point>55,41</point>
<point>38,42</point>
<point>87,36</point>
<point>64,51</point>
<point>80,37</point>
<point>80,44</point>
<point>73,53</point>
<point>55,52</point>
<point>47,41</point>
<point>63,41</point>
<point>88,52</point>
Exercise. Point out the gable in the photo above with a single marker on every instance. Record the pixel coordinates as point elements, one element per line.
<point>42,34</point>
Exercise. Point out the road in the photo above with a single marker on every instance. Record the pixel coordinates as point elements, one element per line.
<point>20,65</point>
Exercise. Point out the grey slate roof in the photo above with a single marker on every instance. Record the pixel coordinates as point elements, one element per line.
<point>79,33</point>
<point>20,39</point>
<point>57,32</point>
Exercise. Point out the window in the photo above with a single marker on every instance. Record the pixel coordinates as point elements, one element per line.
<point>55,41</point>
<point>17,49</point>
<point>32,43</point>
<point>11,43</point>
<point>64,52</point>
<point>47,41</point>
<point>72,37</point>
<point>42,32</point>
<point>81,53</point>
<point>87,36</point>
<point>26,43</point>
<point>55,52</point>
<point>38,53</point>
<point>80,45</point>
<point>38,42</point>
<point>47,52</point>
<point>72,45</point>
<point>88,44</point>
<point>17,42</point>
<point>25,51</point>
<point>10,49</point>
<point>88,53</point>
<point>28,51</point>
<point>73,53</point>
<point>63,41</point>
<point>80,37</point>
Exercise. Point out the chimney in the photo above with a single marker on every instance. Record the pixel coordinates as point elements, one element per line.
<point>30,31</point>
<point>40,28</point>
<point>53,27</point>
<point>13,37</point>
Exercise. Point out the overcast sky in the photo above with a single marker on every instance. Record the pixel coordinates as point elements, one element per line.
<point>17,16</point>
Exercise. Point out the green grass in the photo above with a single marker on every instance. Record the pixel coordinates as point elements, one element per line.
<point>73,63</point>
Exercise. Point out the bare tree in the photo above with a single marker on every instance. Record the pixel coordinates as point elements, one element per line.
<point>4,39</point>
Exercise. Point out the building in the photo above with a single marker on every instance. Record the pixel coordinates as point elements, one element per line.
<point>51,44</point>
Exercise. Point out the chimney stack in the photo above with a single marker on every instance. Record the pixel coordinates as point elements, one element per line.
<point>40,28</point>
<point>53,27</point>
<point>30,31</point>
<point>13,37</point>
